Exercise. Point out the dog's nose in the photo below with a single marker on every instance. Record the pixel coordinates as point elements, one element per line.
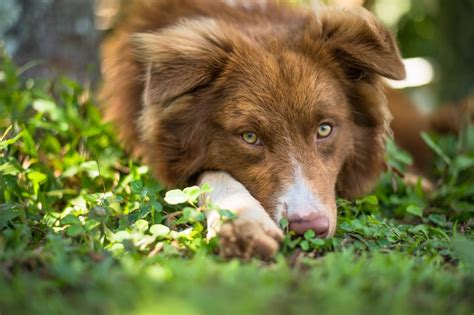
<point>318,223</point>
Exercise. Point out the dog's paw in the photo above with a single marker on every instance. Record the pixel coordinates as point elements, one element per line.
<point>246,239</point>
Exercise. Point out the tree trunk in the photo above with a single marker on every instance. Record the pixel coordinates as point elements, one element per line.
<point>60,34</point>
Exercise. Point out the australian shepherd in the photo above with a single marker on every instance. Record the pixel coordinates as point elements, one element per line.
<point>279,108</point>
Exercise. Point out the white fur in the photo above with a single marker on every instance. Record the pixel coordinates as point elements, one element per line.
<point>231,195</point>
<point>298,199</point>
<point>247,4</point>
<point>231,3</point>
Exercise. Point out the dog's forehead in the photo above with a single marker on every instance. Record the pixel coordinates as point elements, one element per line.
<point>284,84</point>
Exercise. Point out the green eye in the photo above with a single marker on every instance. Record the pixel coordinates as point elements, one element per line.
<point>250,137</point>
<point>324,130</point>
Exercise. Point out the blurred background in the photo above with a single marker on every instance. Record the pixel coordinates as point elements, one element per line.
<point>61,37</point>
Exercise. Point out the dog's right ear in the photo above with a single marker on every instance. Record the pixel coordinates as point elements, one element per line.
<point>182,58</point>
<point>179,62</point>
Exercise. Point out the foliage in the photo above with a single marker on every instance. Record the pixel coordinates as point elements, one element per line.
<point>85,229</point>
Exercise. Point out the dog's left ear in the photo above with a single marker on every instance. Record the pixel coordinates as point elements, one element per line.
<point>357,40</point>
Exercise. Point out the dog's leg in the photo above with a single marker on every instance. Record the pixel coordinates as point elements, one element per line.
<point>253,233</point>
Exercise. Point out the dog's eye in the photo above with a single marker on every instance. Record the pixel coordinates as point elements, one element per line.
<point>250,137</point>
<point>324,130</point>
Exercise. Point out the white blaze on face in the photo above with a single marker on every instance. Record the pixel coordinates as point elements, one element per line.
<point>298,199</point>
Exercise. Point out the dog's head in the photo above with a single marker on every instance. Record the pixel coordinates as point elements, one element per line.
<point>297,116</point>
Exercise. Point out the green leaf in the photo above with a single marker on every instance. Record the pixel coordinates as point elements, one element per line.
<point>283,223</point>
<point>397,158</point>
<point>70,219</point>
<point>121,236</point>
<point>304,245</point>
<point>345,226</point>
<point>5,143</point>
<point>317,241</point>
<point>192,193</point>
<point>159,230</point>
<point>91,167</point>
<point>188,212</point>
<point>437,219</point>
<point>371,200</point>
<point>141,226</point>
<point>49,107</point>
<point>5,133</point>
<point>91,225</point>
<point>435,147</point>
<point>200,217</point>
<point>29,143</point>
<point>158,207</point>
<point>415,210</point>
<point>175,197</point>
<point>463,162</point>
<point>8,212</point>
<point>205,188</point>
<point>37,177</point>
<point>136,186</point>
<point>309,234</point>
<point>9,169</point>
<point>75,230</point>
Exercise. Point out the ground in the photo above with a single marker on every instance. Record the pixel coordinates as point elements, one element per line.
<point>84,229</point>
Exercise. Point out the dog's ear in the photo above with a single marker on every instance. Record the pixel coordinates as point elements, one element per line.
<point>358,41</point>
<point>182,58</point>
<point>180,65</point>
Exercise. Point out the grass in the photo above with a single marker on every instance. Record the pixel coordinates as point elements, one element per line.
<point>84,229</point>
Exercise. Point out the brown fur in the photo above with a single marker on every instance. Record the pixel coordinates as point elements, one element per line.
<point>183,79</point>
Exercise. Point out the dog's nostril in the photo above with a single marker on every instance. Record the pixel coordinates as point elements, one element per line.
<point>319,224</point>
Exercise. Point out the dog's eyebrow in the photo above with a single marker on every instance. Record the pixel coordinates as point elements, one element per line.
<point>238,118</point>
<point>247,110</point>
<point>248,119</point>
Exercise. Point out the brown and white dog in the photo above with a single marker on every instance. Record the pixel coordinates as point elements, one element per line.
<point>278,108</point>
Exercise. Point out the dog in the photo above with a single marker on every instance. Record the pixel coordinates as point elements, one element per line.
<point>279,108</point>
